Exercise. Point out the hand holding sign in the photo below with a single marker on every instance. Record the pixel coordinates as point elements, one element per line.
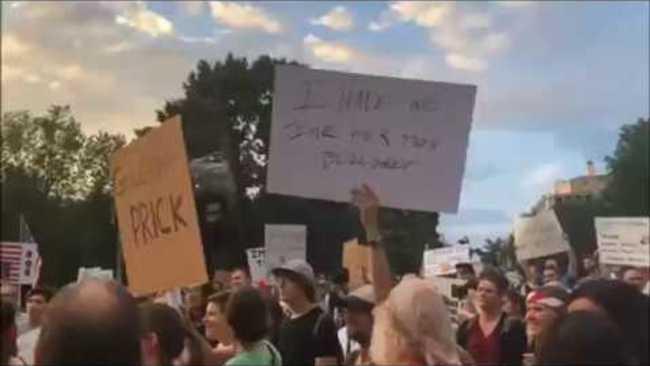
<point>368,203</point>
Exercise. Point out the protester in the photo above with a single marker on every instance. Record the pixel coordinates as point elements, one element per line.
<point>37,299</point>
<point>239,278</point>
<point>544,306</point>
<point>333,297</point>
<point>493,337</point>
<point>8,340</point>
<point>162,334</point>
<point>514,304</point>
<point>308,336</point>
<point>358,306</point>
<point>590,266</point>
<point>624,305</point>
<point>635,277</point>
<point>195,301</point>
<point>247,316</point>
<point>412,325</point>
<point>583,338</point>
<point>91,322</point>
<point>533,278</point>
<point>217,329</point>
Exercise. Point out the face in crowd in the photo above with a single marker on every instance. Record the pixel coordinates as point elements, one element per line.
<point>36,304</point>
<point>216,322</point>
<point>290,289</point>
<point>359,321</point>
<point>239,279</point>
<point>635,277</point>
<point>550,275</point>
<point>488,297</point>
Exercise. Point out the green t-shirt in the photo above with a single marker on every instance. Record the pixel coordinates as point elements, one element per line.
<point>262,354</point>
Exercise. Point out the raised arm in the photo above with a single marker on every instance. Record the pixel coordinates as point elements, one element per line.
<point>369,204</point>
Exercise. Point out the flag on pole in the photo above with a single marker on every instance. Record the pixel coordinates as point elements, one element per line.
<point>32,263</point>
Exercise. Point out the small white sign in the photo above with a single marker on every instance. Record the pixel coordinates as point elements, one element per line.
<point>332,131</point>
<point>284,242</point>
<point>257,264</point>
<point>442,261</point>
<point>623,241</point>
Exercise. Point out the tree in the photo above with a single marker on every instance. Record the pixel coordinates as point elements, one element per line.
<point>58,178</point>
<point>498,252</point>
<point>627,193</point>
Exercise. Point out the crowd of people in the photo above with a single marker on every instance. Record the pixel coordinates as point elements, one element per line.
<point>551,319</point>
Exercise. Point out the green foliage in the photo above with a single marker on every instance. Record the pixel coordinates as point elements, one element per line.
<point>498,252</point>
<point>627,193</point>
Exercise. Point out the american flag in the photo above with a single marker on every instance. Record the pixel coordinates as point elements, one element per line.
<point>11,256</point>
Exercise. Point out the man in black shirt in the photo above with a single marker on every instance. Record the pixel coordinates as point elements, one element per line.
<point>308,337</point>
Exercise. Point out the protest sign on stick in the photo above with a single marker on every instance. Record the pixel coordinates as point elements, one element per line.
<point>623,241</point>
<point>539,236</point>
<point>408,138</point>
<point>257,264</point>
<point>358,261</point>
<point>442,261</point>
<point>156,212</point>
<point>283,243</point>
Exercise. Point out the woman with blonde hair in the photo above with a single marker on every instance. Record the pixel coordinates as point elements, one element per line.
<point>412,323</point>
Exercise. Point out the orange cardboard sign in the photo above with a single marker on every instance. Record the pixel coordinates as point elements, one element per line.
<point>358,261</point>
<point>156,212</point>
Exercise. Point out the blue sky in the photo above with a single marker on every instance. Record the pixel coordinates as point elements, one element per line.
<point>556,80</point>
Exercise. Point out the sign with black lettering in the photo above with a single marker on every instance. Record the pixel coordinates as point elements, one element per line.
<point>623,241</point>
<point>156,212</point>
<point>332,131</point>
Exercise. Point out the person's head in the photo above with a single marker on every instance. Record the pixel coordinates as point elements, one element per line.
<point>37,299</point>
<point>296,282</point>
<point>413,326</point>
<point>358,317</point>
<point>247,316</point>
<point>514,304</point>
<point>635,277</point>
<point>220,280</point>
<point>341,278</point>
<point>162,334</point>
<point>9,293</point>
<point>93,321</point>
<point>550,275</point>
<point>492,285</point>
<point>552,263</point>
<point>8,344</point>
<point>544,306</point>
<point>589,264</point>
<point>215,322</point>
<point>583,338</point>
<point>465,271</point>
<point>239,278</point>
<point>623,304</point>
<point>533,273</point>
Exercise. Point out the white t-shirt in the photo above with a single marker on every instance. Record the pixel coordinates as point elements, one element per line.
<point>26,345</point>
<point>343,340</point>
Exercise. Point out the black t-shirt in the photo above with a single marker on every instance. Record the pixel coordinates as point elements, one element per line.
<point>300,342</point>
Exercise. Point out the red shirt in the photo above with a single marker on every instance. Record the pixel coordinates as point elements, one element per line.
<point>485,350</point>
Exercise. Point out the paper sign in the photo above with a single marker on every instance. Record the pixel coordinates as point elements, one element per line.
<point>94,272</point>
<point>284,242</point>
<point>358,261</point>
<point>156,212</point>
<point>19,262</point>
<point>623,241</point>
<point>332,131</point>
<point>442,261</point>
<point>539,236</point>
<point>257,264</point>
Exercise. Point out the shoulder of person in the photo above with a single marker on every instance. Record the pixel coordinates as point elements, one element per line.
<point>513,324</point>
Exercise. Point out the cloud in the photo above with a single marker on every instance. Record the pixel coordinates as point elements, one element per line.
<point>338,19</point>
<point>462,62</point>
<point>54,85</point>
<point>244,16</point>
<point>543,177</point>
<point>13,47</point>
<point>119,47</point>
<point>191,7</point>
<point>145,20</point>
<point>328,51</point>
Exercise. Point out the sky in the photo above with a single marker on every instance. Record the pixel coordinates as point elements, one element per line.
<point>556,80</point>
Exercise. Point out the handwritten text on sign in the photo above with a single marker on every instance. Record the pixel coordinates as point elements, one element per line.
<point>156,212</point>
<point>442,261</point>
<point>624,240</point>
<point>332,131</point>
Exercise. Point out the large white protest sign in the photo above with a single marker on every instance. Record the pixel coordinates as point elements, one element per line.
<point>623,241</point>
<point>332,131</point>
<point>257,263</point>
<point>538,236</point>
<point>442,261</point>
<point>284,242</point>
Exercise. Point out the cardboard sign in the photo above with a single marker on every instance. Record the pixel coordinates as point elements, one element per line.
<point>539,236</point>
<point>623,241</point>
<point>156,212</point>
<point>94,272</point>
<point>257,264</point>
<point>358,261</point>
<point>332,131</point>
<point>442,261</point>
<point>284,242</point>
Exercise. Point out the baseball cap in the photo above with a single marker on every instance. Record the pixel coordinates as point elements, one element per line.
<point>363,297</point>
<point>297,267</point>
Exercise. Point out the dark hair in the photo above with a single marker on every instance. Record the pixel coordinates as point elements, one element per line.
<point>247,315</point>
<point>583,338</point>
<point>625,306</point>
<point>341,276</point>
<point>167,324</point>
<point>81,329</point>
<point>306,285</point>
<point>220,299</point>
<point>40,291</point>
<point>243,269</point>
<point>516,298</point>
<point>496,277</point>
<point>8,315</point>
